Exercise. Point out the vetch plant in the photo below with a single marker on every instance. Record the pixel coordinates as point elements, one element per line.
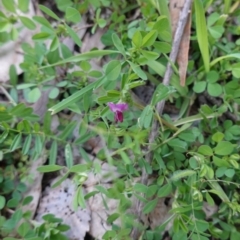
<point>177,161</point>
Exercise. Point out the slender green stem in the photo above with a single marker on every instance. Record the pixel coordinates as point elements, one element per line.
<point>8,96</point>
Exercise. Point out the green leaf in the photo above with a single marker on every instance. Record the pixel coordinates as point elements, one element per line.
<point>150,206</point>
<point>216,31</point>
<point>27,144</point>
<point>17,216</point>
<point>27,200</point>
<point>151,191</point>
<point>41,36</point>
<point>236,70</point>
<point>149,55</point>
<point>220,162</point>
<point>161,92</point>
<point>229,173</point>
<point>2,202</point>
<point>199,87</point>
<point>23,229</point>
<point>16,142</point>
<point>73,98</point>
<point>118,44</point>
<point>21,110</point>
<point>25,85</point>
<point>182,174</point>
<point>163,9</point>
<point>224,148</point>
<point>139,187</point>
<point>85,66</point>
<point>113,217</point>
<point>54,44</point>
<point>49,12</point>
<point>9,5</point>
<point>53,93</point>
<point>214,89</point>
<point>149,38</point>
<point>193,163</point>
<point>138,70</point>
<point>178,145</point>
<point>157,67</point>
<point>73,15</point>
<point>201,226</point>
<point>212,76</point>
<point>13,203</point>
<point>68,130</point>
<point>209,199</point>
<point>47,123</point>
<point>165,190</point>
<point>49,168</point>
<point>235,130</point>
<point>205,150</point>
<point>13,75</point>
<point>163,28</point>
<point>137,39</point>
<point>125,158</point>
<point>60,180</point>
<point>113,70</point>
<point>162,47</point>
<point>39,143</point>
<point>217,137</point>
<point>53,153</point>
<point>221,170</point>
<point>34,95</point>
<point>27,22</point>
<point>146,116</point>
<point>4,135</point>
<point>68,156</point>
<point>187,136</point>
<point>79,168</point>
<point>23,5</point>
<point>14,34</point>
<point>217,189</point>
<point>4,116</point>
<point>5,26</point>
<point>79,199</point>
<point>74,36</point>
<point>101,22</point>
<point>84,155</point>
<point>202,33</point>
<point>82,56</point>
<point>44,22</point>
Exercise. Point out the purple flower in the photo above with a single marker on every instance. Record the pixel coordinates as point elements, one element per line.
<point>118,109</point>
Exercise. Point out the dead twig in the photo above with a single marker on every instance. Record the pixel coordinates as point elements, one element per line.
<point>159,108</point>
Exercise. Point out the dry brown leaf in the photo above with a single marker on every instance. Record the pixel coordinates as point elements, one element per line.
<point>182,58</point>
<point>11,52</point>
<point>107,174</point>
<point>59,201</point>
<point>34,185</point>
<point>99,213</point>
<point>160,214</point>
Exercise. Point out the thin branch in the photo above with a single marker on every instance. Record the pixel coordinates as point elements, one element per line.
<point>159,108</point>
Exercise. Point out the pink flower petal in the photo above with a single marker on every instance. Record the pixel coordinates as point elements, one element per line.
<point>119,116</point>
<point>120,107</point>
